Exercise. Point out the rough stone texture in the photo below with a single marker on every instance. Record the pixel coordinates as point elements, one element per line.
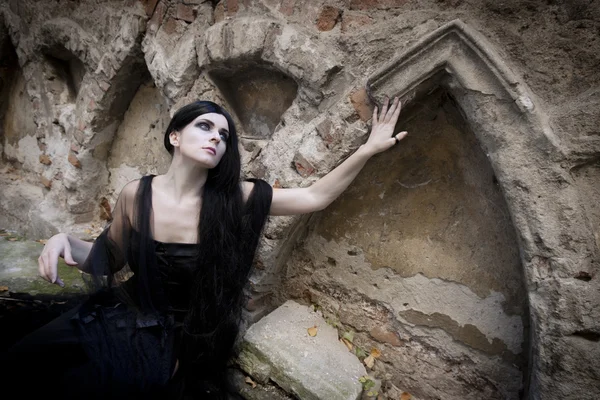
<point>279,348</point>
<point>137,148</point>
<point>521,77</point>
<point>328,18</point>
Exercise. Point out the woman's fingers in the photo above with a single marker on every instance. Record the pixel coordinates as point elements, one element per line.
<point>52,266</point>
<point>68,257</point>
<point>375,120</point>
<point>384,109</point>
<point>397,110</point>
<point>42,267</point>
<point>401,136</point>
<point>391,113</point>
<point>47,266</point>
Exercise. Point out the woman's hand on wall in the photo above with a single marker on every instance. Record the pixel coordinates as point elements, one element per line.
<point>383,126</point>
<point>328,188</point>
<point>57,246</point>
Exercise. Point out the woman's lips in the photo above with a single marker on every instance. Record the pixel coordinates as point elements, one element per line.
<point>213,151</point>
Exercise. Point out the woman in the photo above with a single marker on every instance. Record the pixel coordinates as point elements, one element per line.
<point>168,272</point>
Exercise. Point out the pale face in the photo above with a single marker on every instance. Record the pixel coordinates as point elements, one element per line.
<point>204,140</point>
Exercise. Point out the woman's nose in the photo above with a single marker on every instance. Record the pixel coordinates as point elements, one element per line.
<point>216,137</point>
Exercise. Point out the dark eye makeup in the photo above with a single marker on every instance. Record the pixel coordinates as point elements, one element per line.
<point>206,125</point>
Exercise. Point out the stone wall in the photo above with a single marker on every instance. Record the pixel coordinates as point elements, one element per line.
<point>468,254</point>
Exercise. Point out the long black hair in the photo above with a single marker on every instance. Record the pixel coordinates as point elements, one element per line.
<point>228,234</point>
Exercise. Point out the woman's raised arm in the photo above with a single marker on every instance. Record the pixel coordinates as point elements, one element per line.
<point>324,191</point>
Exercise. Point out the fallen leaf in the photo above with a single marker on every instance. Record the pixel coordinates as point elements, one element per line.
<point>42,241</point>
<point>405,396</point>
<point>349,336</point>
<point>3,288</point>
<point>359,353</point>
<point>348,344</point>
<point>312,331</point>
<point>250,382</point>
<point>375,353</point>
<point>367,382</point>
<point>369,361</point>
<point>12,239</point>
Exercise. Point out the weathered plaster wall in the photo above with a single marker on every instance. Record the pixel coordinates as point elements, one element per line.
<point>424,235</point>
<point>137,149</point>
<point>523,75</point>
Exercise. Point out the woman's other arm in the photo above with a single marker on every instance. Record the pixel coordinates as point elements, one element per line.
<point>323,192</point>
<point>75,251</point>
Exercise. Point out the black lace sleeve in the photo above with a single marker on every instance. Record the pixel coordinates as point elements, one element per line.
<point>109,251</point>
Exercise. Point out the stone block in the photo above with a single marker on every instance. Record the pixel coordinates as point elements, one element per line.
<point>46,182</point>
<point>219,13</point>
<point>44,159</point>
<point>303,166</point>
<point>383,335</point>
<point>149,6</point>
<point>352,21</point>
<point>185,13</point>
<point>231,7</point>
<point>74,160</point>
<point>157,17</point>
<point>287,7</point>
<point>170,27</point>
<point>242,38</point>
<point>328,17</point>
<point>279,348</point>
<point>361,103</point>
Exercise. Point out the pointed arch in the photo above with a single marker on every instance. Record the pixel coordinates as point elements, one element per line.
<point>526,155</point>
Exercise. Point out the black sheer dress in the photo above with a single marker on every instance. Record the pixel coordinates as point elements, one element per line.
<point>132,338</point>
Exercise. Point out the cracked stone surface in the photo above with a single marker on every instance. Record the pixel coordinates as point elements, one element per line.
<point>279,348</point>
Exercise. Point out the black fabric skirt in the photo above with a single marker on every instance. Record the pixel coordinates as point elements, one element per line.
<point>96,351</point>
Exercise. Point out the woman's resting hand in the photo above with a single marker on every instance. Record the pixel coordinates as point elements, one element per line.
<point>57,246</point>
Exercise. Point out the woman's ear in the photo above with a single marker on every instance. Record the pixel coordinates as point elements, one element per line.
<point>174,138</point>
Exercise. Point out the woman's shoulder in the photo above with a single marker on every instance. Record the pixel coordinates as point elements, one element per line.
<point>250,186</point>
<point>130,188</point>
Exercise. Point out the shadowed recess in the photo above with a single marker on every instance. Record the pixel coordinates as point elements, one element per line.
<point>259,97</point>
<point>65,70</point>
<point>9,67</point>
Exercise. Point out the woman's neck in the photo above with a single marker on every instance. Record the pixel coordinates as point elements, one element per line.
<point>184,180</point>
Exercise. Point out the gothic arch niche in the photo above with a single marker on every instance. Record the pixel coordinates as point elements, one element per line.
<point>419,257</point>
<point>533,193</point>
<point>259,96</point>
